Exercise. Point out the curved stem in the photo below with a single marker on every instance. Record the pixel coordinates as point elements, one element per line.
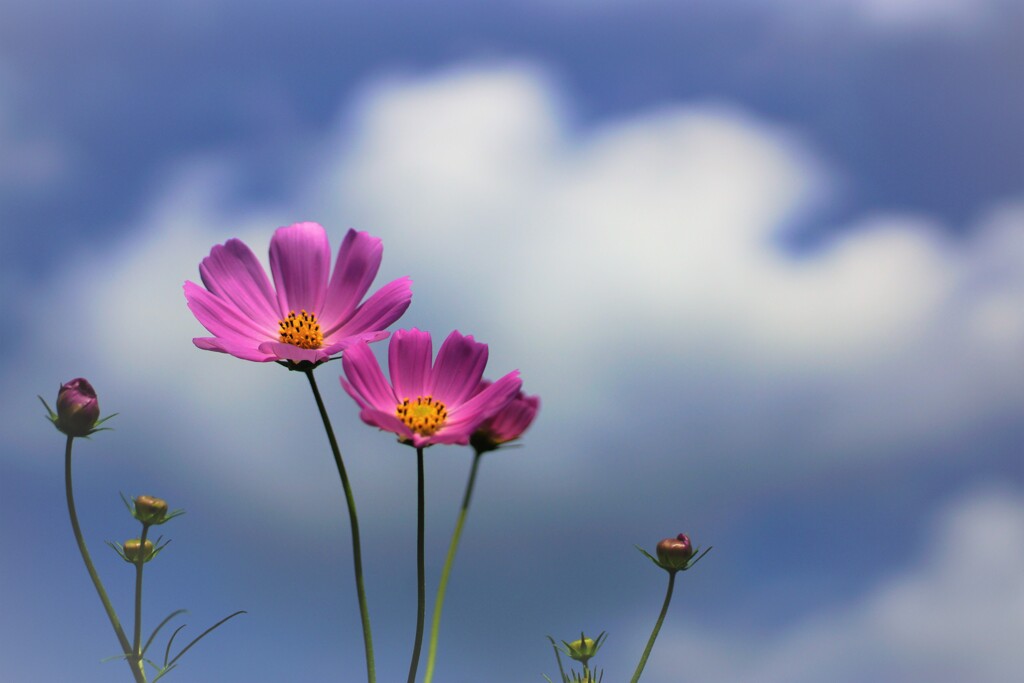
<point>126,647</point>
<point>435,623</point>
<point>421,578</point>
<point>139,564</point>
<point>657,627</point>
<point>357,553</point>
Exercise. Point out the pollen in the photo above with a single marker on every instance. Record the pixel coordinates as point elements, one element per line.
<point>423,416</point>
<point>301,330</point>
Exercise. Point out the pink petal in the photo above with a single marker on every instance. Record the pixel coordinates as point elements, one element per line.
<point>459,367</point>
<point>300,257</point>
<point>409,356</point>
<point>238,349</point>
<point>386,422</point>
<point>511,421</point>
<point>452,435</point>
<point>341,343</point>
<point>420,441</point>
<point>359,259</point>
<point>379,311</point>
<point>366,383</point>
<point>221,317</point>
<point>297,354</point>
<point>486,403</point>
<point>232,272</point>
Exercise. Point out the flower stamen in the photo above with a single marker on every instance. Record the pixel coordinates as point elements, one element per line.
<point>301,330</point>
<point>423,416</point>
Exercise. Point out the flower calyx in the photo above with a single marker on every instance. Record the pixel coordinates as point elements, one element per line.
<point>675,554</point>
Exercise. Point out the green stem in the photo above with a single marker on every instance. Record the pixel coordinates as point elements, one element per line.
<point>357,553</point>
<point>435,623</point>
<point>421,577</point>
<point>139,564</point>
<point>657,627</point>
<point>126,647</point>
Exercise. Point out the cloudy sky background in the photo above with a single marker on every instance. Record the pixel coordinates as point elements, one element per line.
<point>763,261</point>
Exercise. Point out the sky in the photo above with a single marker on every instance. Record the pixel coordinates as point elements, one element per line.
<point>763,262</point>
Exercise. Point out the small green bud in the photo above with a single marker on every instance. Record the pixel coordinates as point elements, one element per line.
<point>150,510</point>
<point>583,649</point>
<point>134,550</point>
<point>579,649</point>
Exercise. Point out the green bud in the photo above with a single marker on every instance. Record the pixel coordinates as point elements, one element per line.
<point>150,510</point>
<point>583,649</point>
<point>135,550</point>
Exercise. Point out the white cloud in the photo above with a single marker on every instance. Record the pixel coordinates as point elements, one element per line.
<point>609,265</point>
<point>652,237</point>
<point>957,615</point>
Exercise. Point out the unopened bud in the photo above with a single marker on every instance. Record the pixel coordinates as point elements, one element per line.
<point>77,408</point>
<point>583,649</point>
<point>150,510</point>
<point>508,424</point>
<point>675,553</point>
<point>135,550</point>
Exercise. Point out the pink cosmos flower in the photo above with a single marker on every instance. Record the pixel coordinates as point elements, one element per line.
<point>508,424</point>
<point>425,404</point>
<point>308,314</point>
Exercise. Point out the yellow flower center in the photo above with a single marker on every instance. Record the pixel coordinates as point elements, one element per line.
<point>423,416</point>
<point>301,330</point>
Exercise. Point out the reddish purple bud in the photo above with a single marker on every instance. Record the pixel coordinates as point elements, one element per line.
<point>508,424</point>
<point>77,408</point>
<point>675,553</point>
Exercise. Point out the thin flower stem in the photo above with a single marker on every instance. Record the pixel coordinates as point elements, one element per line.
<point>421,577</point>
<point>657,627</point>
<point>435,623</point>
<point>139,564</point>
<point>137,672</point>
<point>357,553</point>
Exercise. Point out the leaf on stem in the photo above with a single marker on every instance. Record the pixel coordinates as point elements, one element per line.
<point>160,626</point>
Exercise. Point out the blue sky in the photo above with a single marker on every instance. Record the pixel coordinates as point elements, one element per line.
<point>763,261</point>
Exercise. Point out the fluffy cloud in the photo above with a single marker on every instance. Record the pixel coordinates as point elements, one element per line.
<point>954,616</point>
<point>656,237</point>
<point>629,264</point>
<point>633,271</point>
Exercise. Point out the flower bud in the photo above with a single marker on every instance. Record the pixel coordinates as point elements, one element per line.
<point>150,510</point>
<point>134,550</point>
<point>583,649</point>
<point>77,408</point>
<point>675,553</point>
<point>508,424</point>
